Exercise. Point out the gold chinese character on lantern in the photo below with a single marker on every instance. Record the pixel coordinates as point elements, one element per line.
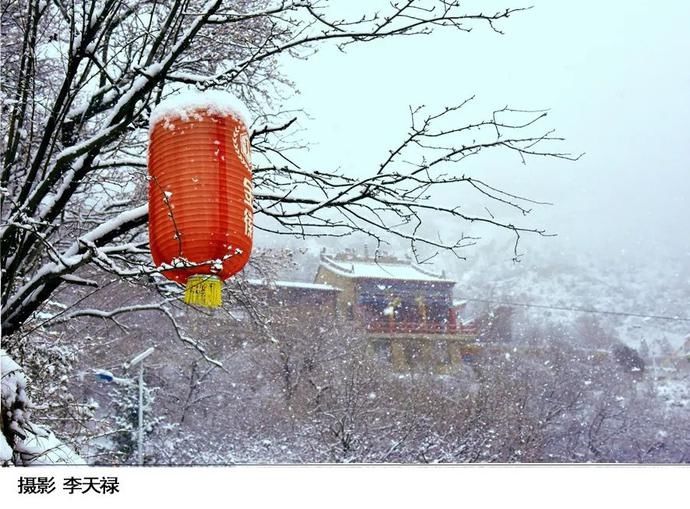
<point>248,194</point>
<point>248,223</point>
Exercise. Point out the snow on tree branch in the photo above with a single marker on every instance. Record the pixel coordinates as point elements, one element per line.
<point>21,441</point>
<point>81,150</point>
<point>80,82</point>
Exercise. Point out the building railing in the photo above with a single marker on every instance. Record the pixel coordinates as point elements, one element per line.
<point>421,327</point>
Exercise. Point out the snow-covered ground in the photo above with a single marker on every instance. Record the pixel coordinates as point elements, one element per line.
<point>675,390</point>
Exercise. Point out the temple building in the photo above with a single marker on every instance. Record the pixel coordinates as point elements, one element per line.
<point>406,311</point>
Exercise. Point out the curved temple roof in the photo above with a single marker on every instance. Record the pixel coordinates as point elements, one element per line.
<point>370,268</point>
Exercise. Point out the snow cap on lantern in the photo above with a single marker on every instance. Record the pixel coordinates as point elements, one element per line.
<point>200,191</point>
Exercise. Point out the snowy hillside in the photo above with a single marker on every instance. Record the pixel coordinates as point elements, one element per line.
<point>587,282</point>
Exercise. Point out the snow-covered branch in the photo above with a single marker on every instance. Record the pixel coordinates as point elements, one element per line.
<point>79,84</point>
<point>22,442</point>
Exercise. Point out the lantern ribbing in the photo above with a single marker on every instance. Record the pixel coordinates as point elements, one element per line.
<point>200,199</point>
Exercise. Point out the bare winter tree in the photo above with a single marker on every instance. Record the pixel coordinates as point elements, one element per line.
<point>79,83</point>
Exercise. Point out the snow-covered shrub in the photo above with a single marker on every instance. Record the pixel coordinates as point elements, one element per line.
<point>23,442</point>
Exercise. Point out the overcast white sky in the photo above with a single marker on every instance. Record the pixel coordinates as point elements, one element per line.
<point>614,74</point>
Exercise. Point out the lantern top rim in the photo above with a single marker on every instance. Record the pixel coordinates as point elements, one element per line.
<point>216,102</point>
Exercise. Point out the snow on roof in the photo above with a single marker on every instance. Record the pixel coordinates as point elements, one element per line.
<point>371,269</point>
<point>185,103</point>
<point>294,284</point>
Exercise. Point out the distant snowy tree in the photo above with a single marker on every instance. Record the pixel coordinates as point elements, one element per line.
<point>122,444</point>
<point>629,359</point>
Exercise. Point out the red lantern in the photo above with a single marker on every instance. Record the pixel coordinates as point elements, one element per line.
<point>200,192</point>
